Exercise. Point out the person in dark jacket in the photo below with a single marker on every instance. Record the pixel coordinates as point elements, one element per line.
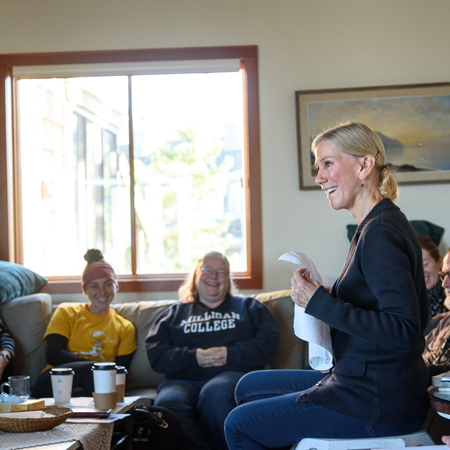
<point>7,348</point>
<point>377,311</point>
<point>437,342</point>
<point>204,344</point>
<point>432,264</point>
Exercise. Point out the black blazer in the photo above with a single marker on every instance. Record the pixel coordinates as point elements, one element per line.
<point>377,312</point>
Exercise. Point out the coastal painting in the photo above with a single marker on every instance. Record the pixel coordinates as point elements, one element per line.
<point>413,123</point>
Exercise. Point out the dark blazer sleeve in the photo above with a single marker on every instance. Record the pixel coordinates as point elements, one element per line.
<point>393,317</point>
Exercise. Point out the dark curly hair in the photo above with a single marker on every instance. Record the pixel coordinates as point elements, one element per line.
<point>94,255</point>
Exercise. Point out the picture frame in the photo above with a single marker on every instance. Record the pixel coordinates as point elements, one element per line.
<point>413,121</point>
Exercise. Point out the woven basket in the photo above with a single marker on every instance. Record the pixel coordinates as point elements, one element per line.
<point>11,425</point>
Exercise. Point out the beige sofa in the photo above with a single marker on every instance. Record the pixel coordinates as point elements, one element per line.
<point>27,318</point>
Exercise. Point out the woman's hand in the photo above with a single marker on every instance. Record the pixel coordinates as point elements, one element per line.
<point>446,440</point>
<point>303,287</point>
<point>211,357</point>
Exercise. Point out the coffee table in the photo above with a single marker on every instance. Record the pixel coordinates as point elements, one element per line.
<point>118,414</point>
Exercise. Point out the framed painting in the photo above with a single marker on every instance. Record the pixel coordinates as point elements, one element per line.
<point>412,121</point>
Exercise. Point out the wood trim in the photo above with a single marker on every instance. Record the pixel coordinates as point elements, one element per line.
<point>131,162</point>
<point>6,167</point>
<point>136,283</point>
<point>17,180</point>
<point>254,214</point>
<point>111,56</point>
<point>252,279</point>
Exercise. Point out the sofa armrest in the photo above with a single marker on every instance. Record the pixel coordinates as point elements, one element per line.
<point>27,319</point>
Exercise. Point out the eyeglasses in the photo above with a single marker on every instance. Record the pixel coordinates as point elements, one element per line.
<point>210,272</point>
<point>442,275</point>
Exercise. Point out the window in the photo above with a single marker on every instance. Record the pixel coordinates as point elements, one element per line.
<point>152,163</point>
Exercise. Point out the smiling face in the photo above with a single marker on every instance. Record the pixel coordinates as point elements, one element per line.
<point>212,288</point>
<point>431,268</point>
<point>101,293</point>
<point>338,176</point>
<point>446,270</point>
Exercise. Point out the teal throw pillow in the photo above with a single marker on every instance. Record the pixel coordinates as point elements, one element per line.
<point>17,281</point>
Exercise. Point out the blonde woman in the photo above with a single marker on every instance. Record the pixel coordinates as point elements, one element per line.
<point>204,345</point>
<point>377,311</point>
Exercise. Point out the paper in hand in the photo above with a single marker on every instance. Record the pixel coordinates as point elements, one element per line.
<point>308,328</point>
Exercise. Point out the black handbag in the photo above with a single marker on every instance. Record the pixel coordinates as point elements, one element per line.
<point>156,428</point>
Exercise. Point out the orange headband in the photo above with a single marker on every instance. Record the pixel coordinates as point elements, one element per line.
<point>98,270</point>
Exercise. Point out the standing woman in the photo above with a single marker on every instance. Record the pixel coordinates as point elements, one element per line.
<point>377,311</point>
<point>80,334</point>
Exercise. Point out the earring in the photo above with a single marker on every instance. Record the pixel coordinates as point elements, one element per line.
<point>362,183</point>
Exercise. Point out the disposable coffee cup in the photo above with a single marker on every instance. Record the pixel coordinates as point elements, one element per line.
<point>105,401</point>
<point>120,382</point>
<point>62,379</point>
<point>18,386</point>
<point>104,377</point>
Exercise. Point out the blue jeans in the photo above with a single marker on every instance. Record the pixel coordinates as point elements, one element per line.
<point>267,415</point>
<point>201,407</point>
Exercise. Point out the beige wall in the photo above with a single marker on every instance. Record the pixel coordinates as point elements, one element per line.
<point>303,44</point>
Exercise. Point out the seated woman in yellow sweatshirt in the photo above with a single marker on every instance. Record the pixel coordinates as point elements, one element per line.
<point>80,334</point>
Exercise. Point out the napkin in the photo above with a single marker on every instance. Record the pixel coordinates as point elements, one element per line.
<point>308,328</point>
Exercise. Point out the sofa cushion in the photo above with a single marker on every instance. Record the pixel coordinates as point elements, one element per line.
<point>27,319</point>
<point>292,352</point>
<point>17,281</point>
<point>142,314</point>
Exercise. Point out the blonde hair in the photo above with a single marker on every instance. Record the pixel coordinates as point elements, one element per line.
<point>357,139</point>
<point>188,290</point>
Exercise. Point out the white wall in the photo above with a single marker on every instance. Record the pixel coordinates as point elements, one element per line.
<point>303,44</point>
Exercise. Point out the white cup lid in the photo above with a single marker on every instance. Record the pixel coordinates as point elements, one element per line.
<point>104,366</point>
<point>62,371</point>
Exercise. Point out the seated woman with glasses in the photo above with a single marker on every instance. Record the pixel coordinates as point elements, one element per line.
<point>204,344</point>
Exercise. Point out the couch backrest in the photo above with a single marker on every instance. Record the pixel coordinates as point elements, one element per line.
<point>27,319</point>
<point>142,314</point>
<point>292,352</point>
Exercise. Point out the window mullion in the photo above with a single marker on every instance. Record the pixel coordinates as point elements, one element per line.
<point>132,184</point>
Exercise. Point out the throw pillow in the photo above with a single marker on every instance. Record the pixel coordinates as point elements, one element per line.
<point>17,281</point>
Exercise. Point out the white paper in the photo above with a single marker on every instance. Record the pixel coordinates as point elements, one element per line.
<point>308,328</point>
<point>110,419</point>
<point>88,402</point>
